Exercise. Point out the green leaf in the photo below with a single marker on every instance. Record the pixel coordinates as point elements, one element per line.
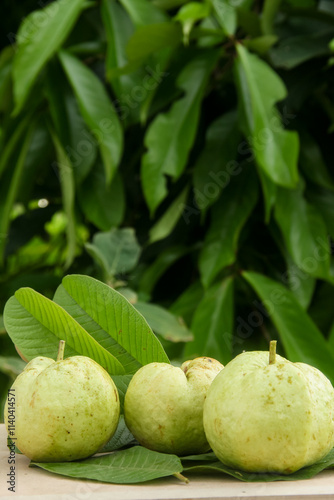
<point>120,439</point>
<point>171,135</point>
<point>229,215</point>
<point>12,143</point>
<point>305,473</point>
<point>109,212</point>
<point>276,150</point>
<point>163,322</point>
<point>294,50</point>
<point>269,13</point>
<point>323,200</point>
<point>119,28</point>
<point>304,232</point>
<point>261,44</point>
<point>35,324</point>
<point>212,323</point>
<point>97,111</point>
<point>226,15</point>
<point>167,222</point>
<point>269,190</point>
<point>216,163</point>
<point>300,283</point>
<point>2,326</point>
<point>6,68</point>
<point>186,304</point>
<point>113,322</point>
<point>11,366</point>
<point>117,250</point>
<point>152,38</point>
<point>311,156</point>
<point>122,382</point>
<point>301,339</point>
<point>40,35</point>
<point>9,189</point>
<point>66,177</point>
<point>76,139</point>
<point>135,465</point>
<point>189,14</point>
<point>142,12</point>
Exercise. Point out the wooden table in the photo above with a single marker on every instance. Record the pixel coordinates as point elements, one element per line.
<point>37,484</point>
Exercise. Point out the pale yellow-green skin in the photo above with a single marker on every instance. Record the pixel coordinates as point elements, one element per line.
<point>164,405</point>
<point>64,410</point>
<point>269,418</point>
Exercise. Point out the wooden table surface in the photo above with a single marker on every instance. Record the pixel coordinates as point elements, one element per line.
<point>37,484</point>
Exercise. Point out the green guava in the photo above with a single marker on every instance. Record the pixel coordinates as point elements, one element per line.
<point>62,410</point>
<point>276,416</point>
<point>163,405</point>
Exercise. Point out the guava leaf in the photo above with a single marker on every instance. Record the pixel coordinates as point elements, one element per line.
<point>117,250</point>
<point>39,37</point>
<point>122,382</point>
<point>111,320</point>
<point>305,473</point>
<point>216,165</point>
<point>134,465</point>
<point>214,316</point>
<point>226,15</point>
<point>229,214</point>
<point>304,232</point>
<point>97,110</point>
<point>167,222</point>
<point>163,322</point>
<point>275,149</point>
<point>122,437</point>
<point>142,12</point>
<point>11,366</point>
<point>36,324</point>
<point>170,136</point>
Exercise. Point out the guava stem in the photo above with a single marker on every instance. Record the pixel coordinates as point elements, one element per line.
<point>181,477</point>
<point>61,349</point>
<point>272,352</point>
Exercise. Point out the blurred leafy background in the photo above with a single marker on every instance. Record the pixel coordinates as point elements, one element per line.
<point>181,152</point>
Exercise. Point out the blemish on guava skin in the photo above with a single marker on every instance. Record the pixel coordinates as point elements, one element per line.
<point>269,401</point>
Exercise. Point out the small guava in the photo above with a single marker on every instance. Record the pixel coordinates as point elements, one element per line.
<point>163,405</point>
<point>62,411</point>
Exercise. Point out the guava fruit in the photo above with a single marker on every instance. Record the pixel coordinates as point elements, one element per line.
<point>266,414</point>
<point>163,405</point>
<point>62,410</point>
